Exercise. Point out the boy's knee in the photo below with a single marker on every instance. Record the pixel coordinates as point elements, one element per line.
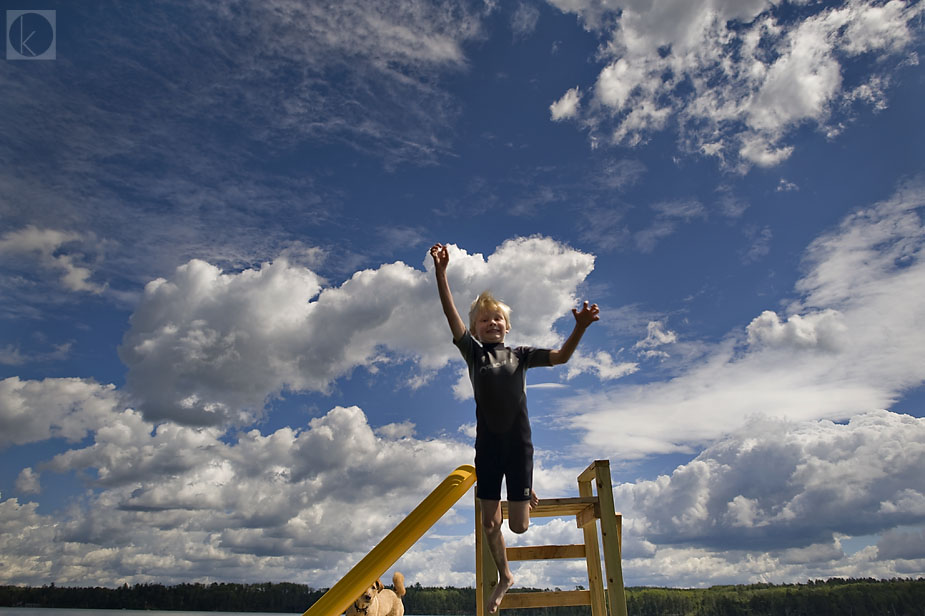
<point>491,524</point>
<point>518,527</point>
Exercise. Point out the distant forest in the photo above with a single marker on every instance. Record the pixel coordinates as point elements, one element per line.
<point>836,597</point>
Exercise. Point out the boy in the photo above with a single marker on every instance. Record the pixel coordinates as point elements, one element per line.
<point>503,446</point>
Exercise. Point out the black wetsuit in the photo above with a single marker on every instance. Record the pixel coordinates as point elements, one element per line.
<point>503,444</point>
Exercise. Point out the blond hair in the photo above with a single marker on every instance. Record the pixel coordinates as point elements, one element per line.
<point>487,301</point>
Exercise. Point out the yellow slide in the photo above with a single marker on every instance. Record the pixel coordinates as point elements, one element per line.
<point>341,595</point>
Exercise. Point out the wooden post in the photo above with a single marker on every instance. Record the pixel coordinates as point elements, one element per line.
<point>593,556</point>
<point>610,537</point>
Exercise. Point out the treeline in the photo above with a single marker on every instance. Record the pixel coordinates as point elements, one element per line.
<point>268,597</point>
<point>836,597</point>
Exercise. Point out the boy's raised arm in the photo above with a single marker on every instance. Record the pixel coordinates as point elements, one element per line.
<point>441,258</point>
<point>583,318</point>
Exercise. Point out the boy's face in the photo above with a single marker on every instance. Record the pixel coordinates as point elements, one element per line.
<point>490,326</point>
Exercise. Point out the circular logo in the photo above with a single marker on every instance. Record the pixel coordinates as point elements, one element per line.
<point>31,35</point>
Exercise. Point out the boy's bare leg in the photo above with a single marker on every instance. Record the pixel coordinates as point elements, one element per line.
<point>519,514</point>
<point>491,522</point>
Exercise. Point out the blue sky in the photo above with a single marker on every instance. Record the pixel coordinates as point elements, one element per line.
<point>222,353</point>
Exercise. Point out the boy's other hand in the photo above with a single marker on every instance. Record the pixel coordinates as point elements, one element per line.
<point>587,315</point>
<point>441,256</point>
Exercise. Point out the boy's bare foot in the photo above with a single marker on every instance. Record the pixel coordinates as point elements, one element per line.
<point>534,499</point>
<point>497,595</point>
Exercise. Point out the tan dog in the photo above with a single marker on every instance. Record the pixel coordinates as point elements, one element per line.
<point>377,600</point>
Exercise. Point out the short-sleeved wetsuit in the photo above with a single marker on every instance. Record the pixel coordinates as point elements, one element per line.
<point>503,444</point>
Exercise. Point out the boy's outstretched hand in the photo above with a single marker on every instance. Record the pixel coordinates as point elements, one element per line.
<point>583,318</point>
<point>587,315</point>
<point>441,256</point>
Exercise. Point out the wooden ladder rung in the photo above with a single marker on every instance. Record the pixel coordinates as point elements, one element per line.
<point>554,507</point>
<point>516,600</point>
<point>546,552</point>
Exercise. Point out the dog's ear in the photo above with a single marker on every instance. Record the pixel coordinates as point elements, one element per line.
<point>379,585</point>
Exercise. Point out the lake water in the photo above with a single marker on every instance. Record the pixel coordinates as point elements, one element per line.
<point>62,611</point>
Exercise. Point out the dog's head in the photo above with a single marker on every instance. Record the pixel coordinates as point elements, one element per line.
<point>368,595</point>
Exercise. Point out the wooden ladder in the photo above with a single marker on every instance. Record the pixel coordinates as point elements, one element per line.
<point>587,509</point>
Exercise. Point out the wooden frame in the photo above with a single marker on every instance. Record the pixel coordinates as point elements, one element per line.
<point>587,509</point>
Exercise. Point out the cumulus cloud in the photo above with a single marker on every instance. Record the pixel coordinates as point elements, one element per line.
<point>28,481</point>
<point>770,502</point>
<point>567,106</point>
<point>448,560</point>
<point>776,484</point>
<point>849,344</point>
<point>23,533</point>
<point>737,77</point>
<point>775,500</point>
<point>600,363</point>
<point>823,330</point>
<point>207,347</point>
<point>68,408</point>
<point>185,501</point>
<point>53,250</point>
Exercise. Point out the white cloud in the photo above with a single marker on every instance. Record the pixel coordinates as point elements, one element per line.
<point>53,250</point>
<point>186,501</point>
<point>206,347</point>
<point>468,429</point>
<point>24,533</point>
<point>600,363</point>
<point>770,502</point>
<point>68,408</point>
<point>28,481</point>
<point>776,498</point>
<point>776,484</point>
<point>762,152</point>
<point>567,106</point>
<point>444,561</point>
<point>462,388</point>
<point>736,77</point>
<point>800,83</point>
<point>824,330</point>
<point>700,568</point>
<point>656,336</point>
<point>850,344</point>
